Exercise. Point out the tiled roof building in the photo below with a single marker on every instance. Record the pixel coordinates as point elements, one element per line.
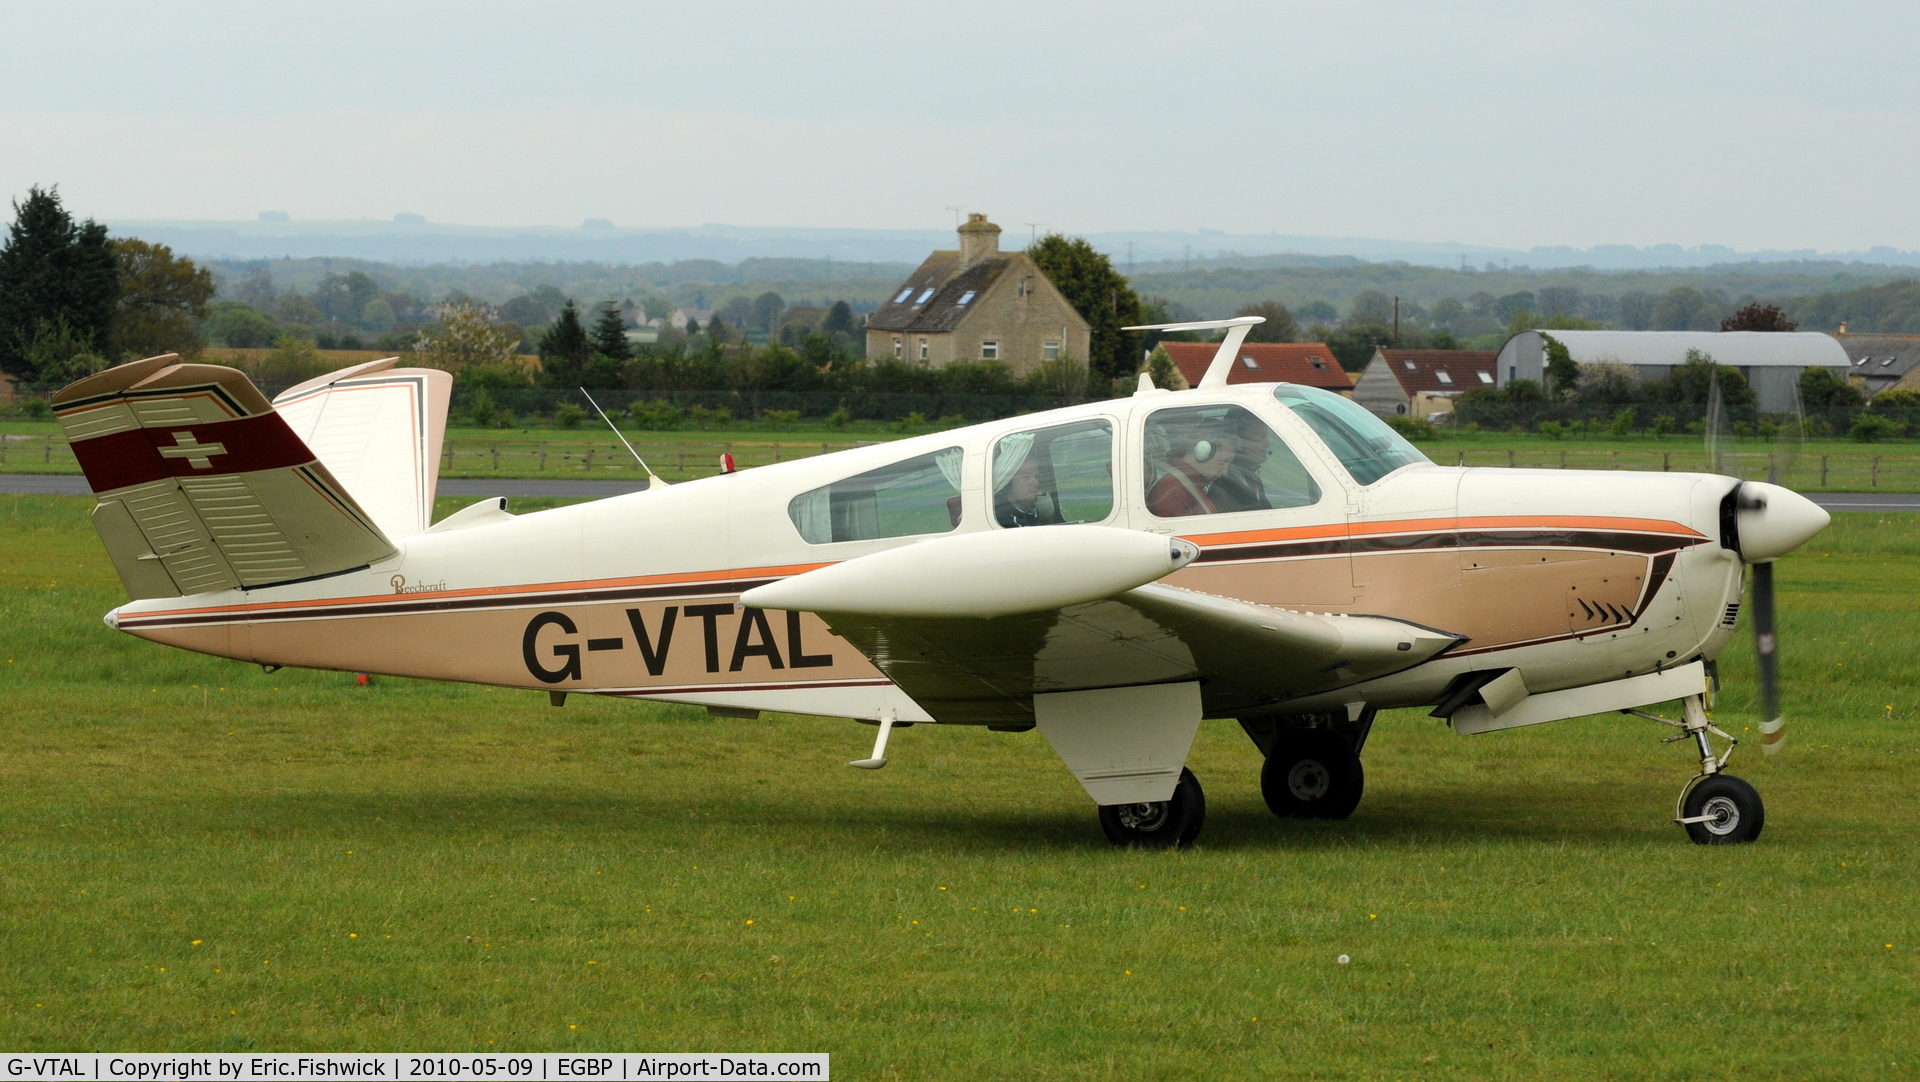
<point>1310,364</point>
<point>978,303</point>
<point>1419,382</point>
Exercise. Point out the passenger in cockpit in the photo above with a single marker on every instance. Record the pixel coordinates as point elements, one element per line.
<point>1240,488</point>
<point>1195,463</point>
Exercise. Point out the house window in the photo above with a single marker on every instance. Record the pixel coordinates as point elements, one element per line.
<point>1023,287</point>
<point>1441,375</point>
<point>1050,350</point>
<point>1485,377</point>
<point>923,297</point>
<point>990,349</point>
<point>899,348</point>
<point>1314,359</point>
<point>923,349</point>
<point>1513,371</point>
<point>904,294</point>
<point>1251,364</point>
<point>965,298</point>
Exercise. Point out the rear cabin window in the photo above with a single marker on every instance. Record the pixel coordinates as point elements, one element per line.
<point>1212,460</point>
<point>919,495</point>
<point>1362,442</point>
<point>1054,475</point>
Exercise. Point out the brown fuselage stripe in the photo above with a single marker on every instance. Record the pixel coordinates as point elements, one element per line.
<point>692,584</point>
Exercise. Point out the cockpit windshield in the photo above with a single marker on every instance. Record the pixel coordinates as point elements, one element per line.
<point>1362,442</point>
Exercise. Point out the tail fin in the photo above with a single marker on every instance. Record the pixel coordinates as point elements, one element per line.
<point>203,486</point>
<point>379,429</point>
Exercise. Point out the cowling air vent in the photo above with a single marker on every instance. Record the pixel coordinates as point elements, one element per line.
<point>1732,615</point>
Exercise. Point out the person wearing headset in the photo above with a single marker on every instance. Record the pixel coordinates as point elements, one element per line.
<point>1241,489</point>
<point>1196,461</point>
<point>1019,502</point>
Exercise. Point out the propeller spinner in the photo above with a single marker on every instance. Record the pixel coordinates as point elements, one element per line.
<point>1764,522</point>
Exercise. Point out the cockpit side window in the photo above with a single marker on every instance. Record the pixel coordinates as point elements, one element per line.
<point>1047,476</point>
<point>1362,442</point>
<point>1211,460</point>
<point>919,495</point>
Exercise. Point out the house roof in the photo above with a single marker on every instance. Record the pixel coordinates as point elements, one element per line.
<point>1740,349</point>
<point>928,301</point>
<point>1882,360</point>
<point>1310,364</point>
<point>1439,371</point>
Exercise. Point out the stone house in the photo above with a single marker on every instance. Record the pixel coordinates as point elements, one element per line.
<point>1882,361</point>
<point>978,304</point>
<point>1310,364</point>
<point>1422,382</point>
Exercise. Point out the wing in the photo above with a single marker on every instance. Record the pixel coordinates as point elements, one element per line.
<point>1108,630</point>
<point>203,486</point>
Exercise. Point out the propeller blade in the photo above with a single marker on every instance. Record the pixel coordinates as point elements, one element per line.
<point>1772,723</point>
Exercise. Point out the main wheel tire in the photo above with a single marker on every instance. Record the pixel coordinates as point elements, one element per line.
<point>1738,814</point>
<point>1161,824</point>
<point>1315,776</point>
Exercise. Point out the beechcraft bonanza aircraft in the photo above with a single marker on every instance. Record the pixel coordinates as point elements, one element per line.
<point>1110,573</point>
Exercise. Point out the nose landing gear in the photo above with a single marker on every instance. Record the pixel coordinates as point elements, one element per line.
<point>1715,807</point>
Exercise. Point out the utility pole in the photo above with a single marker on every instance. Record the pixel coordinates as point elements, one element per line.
<point>1396,323</point>
<point>1033,232</point>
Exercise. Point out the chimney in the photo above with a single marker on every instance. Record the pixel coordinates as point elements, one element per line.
<point>1843,326</point>
<point>979,239</point>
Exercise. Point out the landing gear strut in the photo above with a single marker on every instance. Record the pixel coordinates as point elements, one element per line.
<point>1158,824</point>
<point>1715,807</point>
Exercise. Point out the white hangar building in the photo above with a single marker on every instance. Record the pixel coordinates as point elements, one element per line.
<point>1771,361</point>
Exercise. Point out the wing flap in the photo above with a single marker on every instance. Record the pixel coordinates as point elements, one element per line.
<point>973,671</point>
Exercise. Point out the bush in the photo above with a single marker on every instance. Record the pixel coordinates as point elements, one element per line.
<point>656,415</point>
<point>481,410</point>
<point>1622,424</point>
<point>1868,428</point>
<point>1552,429</point>
<point>1662,426</point>
<point>910,422</point>
<point>569,415</point>
<point>838,419</point>
<point>1414,428</point>
<point>36,408</point>
<point>1898,398</point>
<point>779,418</point>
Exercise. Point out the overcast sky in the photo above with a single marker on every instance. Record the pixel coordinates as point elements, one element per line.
<point>1754,124</point>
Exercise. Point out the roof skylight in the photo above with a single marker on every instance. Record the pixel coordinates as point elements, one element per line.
<point>1441,375</point>
<point>904,294</point>
<point>967,297</point>
<point>1485,377</point>
<point>1250,363</point>
<point>923,297</point>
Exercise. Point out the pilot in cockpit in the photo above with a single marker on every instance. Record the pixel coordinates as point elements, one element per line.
<point>1020,501</point>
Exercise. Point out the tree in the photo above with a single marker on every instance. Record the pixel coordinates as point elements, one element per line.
<point>766,311</point>
<point>1821,389</point>
<point>565,344</point>
<point>342,297</point>
<point>163,300</point>
<point>610,333</point>
<point>1606,382</point>
<point>526,311</point>
<point>1100,294</point>
<point>1279,327</point>
<point>1755,317</point>
<point>839,319</point>
<point>1370,305</point>
<point>1509,307</point>
<point>256,289</point>
<point>1693,383</point>
<point>1684,308</point>
<point>465,337</point>
<point>53,272</point>
<point>1563,372</point>
<point>1559,300</point>
<point>1449,312</point>
<point>239,325</point>
<point>1636,310</point>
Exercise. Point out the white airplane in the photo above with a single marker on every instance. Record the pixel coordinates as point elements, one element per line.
<point>1110,573</point>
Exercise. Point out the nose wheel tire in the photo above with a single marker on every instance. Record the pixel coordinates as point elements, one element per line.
<point>1723,810</point>
<point>1160,824</point>
<point>1313,776</point>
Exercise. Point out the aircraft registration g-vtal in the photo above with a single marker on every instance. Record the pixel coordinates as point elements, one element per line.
<point>1111,573</point>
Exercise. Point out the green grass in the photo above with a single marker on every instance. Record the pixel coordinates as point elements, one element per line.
<point>592,451</point>
<point>421,866</point>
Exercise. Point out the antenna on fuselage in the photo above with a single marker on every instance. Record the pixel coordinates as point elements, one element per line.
<point>1222,362</point>
<point>653,479</point>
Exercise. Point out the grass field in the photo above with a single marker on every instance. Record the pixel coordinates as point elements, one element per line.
<point>592,451</point>
<point>195,855</point>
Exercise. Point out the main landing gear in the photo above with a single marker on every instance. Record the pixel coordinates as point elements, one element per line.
<point>1715,807</point>
<point>1159,824</point>
<point>1313,766</point>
